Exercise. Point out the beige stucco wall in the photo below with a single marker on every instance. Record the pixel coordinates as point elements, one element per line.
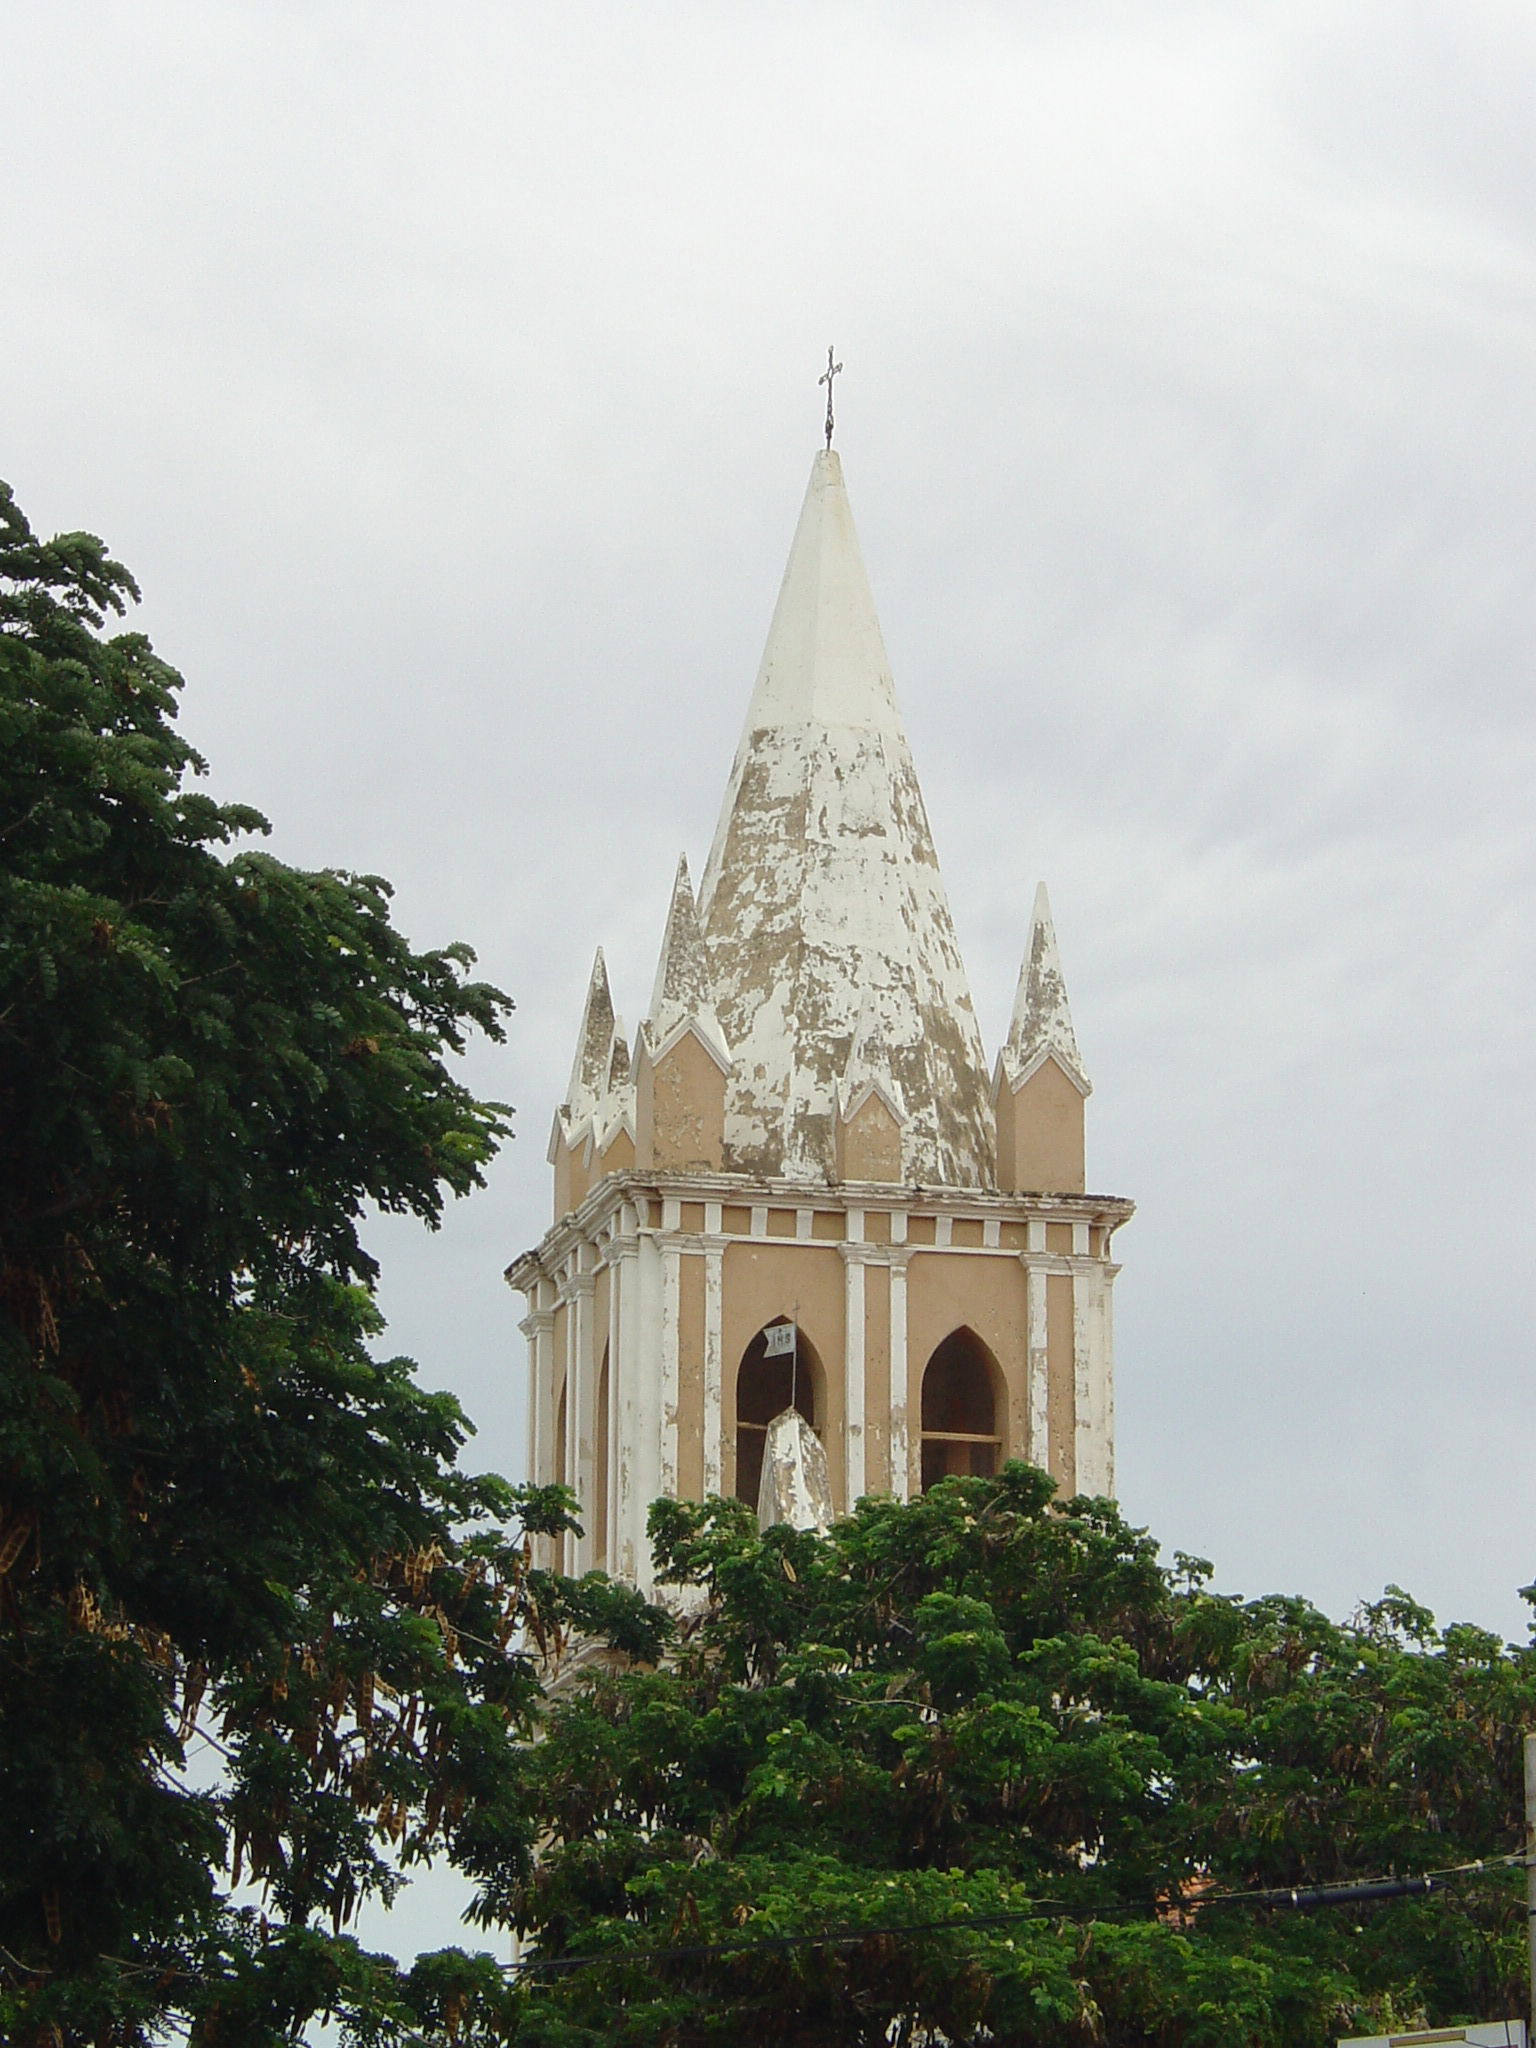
<point>950,1291</point>
<point>618,1155</point>
<point>698,1272</point>
<point>761,1282</point>
<point>679,1109</point>
<point>1040,1133</point>
<point>572,1181</point>
<point>869,1143</point>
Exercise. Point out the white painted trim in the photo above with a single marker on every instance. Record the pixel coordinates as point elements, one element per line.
<point>849,1105</point>
<point>643,1420</point>
<point>1039,1365</point>
<point>901,1378</point>
<point>617,1268</point>
<point>1084,1447</point>
<point>853,1378</point>
<point>671,1317</point>
<point>717,1051</point>
<point>1107,1369</point>
<point>714,1372</point>
<point>1016,1076</point>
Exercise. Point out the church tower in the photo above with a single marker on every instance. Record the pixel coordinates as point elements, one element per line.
<point>801,1188</point>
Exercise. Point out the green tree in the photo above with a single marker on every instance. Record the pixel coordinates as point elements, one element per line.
<point>231,1541</point>
<point>1003,1755</point>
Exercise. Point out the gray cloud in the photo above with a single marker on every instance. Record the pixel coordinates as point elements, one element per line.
<point>450,384</point>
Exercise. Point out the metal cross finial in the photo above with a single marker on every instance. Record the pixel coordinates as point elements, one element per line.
<point>832,371</point>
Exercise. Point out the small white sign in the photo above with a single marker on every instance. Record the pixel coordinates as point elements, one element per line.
<point>1485,2034</point>
<point>781,1341</point>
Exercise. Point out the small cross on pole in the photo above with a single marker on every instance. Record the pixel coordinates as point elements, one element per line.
<point>832,371</point>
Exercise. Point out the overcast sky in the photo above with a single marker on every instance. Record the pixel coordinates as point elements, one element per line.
<point>448,379</point>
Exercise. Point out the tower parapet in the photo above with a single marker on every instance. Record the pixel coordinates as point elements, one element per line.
<point>802,1190</point>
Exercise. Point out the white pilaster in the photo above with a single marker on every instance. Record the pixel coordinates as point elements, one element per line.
<point>580,1388</point>
<point>855,1257</point>
<point>1093,1337</point>
<point>714,1380</point>
<point>1086,1434</point>
<point>616,1269</point>
<point>539,1328</point>
<point>1039,1367</point>
<point>901,1444</point>
<point>671,1318</point>
<point>640,1446</point>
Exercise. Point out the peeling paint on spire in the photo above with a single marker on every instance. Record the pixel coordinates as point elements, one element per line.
<point>868,1071</point>
<point>683,993</point>
<point>822,901</point>
<point>1042,1019</point>
<point>618,1063</point>
<point>594,1050</point>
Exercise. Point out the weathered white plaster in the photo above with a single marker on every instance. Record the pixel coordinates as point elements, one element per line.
<point>714,1381</point>
<point>822,901</point>
<point>683,997</point>
<point>671,1301</point>
<point>901,1374</point>
<point>796,1486</point>
<point>1041,1027</point>
<point>819,968</point>
<point>1094,1338</point>
<point>1039,1360</point>
<point>576,1293</point>
<point>855,1257</point>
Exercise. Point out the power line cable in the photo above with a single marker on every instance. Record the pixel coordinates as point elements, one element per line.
<point>1355,1891</point>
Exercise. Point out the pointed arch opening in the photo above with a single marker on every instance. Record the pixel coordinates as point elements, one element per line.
<point>962,1406</point>
<point>600,1435</point>
<point>765,1387</point>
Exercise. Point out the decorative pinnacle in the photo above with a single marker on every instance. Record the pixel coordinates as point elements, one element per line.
<point>832,370</point>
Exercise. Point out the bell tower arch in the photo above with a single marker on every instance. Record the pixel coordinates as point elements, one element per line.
<point>804,1128</point>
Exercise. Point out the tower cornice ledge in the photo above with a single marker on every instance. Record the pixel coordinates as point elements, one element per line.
<point>741,1190</point>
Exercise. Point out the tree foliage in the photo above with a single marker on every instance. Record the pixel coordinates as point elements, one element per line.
<point>974,1768</point>
<point>1003,1755</point>
<point>255,1622</point>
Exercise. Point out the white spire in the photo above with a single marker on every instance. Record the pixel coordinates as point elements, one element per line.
<point>822,901</point>
<point>594,1050</point>
<point>1042,1019</point>
<point>618,1062</point>
<point>825,661</point>
<point>683,994</point>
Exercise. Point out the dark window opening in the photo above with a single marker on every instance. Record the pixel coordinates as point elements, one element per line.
<point>765,1387</point>
<point>960,1435</point>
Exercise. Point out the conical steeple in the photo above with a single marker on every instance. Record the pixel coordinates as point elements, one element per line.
<point>1042,1020</point>
<point>822,901</point>
<point>618,1064</point>
<point>594,1050</point>
<point>683,994</point>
